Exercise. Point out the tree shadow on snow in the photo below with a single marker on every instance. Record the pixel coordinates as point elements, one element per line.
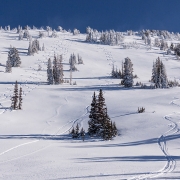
<point>126,158</point>
<point>108,87</point>
<point>25,82</point>
<point>136,143</point>
<point>37,136</point>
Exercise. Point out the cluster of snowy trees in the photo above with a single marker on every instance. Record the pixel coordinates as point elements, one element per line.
<point>55,71</point>
<point>73,61</point>
<point>108,37</point>
<point>111,38</point>
<point>115,73</point>
<point>77,133</point>
<point>62,30</point>
<point>24,34</point>
<point>159,76</point>
<point>34,47</point>
<point>128,45</point>
<point>16,99</point>
<point>13,60</point>
<point>80,60</point>
<point>126,73</point>
<point>162,34</point>
<point>100,124</point>
<point>53,34</point>
<point>176,49</point>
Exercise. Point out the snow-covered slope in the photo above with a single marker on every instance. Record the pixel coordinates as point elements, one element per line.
<point>34,141</point>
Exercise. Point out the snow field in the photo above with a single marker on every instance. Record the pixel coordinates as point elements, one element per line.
<point>35,141</point>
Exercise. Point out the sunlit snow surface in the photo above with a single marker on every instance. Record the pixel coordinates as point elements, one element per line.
<point>35,142</point>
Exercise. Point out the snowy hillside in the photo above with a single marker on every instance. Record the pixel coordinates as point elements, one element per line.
<point>35,141</point>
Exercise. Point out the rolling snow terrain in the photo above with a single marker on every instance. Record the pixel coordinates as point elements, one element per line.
<point>35,141</point>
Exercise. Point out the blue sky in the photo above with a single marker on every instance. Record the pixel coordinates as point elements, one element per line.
<point>120,15</point>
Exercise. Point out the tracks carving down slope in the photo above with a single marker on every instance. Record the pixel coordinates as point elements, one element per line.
<point>162,142</point>
<point>28,89</point>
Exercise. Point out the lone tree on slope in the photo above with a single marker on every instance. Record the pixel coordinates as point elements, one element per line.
<point>100,124</point>
<point>128,73</point>
<point>13,56</point>
<point>14,99</point>
<point>50,72</point>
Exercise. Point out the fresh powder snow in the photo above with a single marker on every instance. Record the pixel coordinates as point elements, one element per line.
<point>35,141</point>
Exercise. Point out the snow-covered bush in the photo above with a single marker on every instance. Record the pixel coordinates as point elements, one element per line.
<point>75,32</point>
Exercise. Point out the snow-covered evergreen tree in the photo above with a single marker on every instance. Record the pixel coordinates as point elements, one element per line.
<point>100,124</point>
<point>60,29</point>
<point>75,32</point>
<point>156,42</point>
<point>93,130</point>
<point>80,61</point>
<point>19,29</point>
<point>41,34</point>
<point>54,34</point>
<point>77,130</point>
<point>163,45</point>
<point>20,35</point>
<point>164,80</point>
<point>50,72</point>
<point>113,71</point>
<point>159,76</point>
<point>34,47</point>
<point>154,77</point>
<point>70,82</point>
<point>101,113</point>
<point>30,51</point>
<point>82,134</point>
<point>20,99</point>
<point>128,73</point>
<point>57,71</point>
<point>172,47</point>
<point>13,56</point>
<point>72,62</point>
<point>8,66</point>
<point>43,47</point>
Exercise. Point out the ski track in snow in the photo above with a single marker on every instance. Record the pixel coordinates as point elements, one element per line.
<point>170,162</point>
<point>23,85</point>
<point>71,123</point>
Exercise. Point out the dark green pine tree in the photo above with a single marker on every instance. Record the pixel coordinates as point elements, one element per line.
<point>100,123</point>
<point>92,130</point>
<point>114,130</point>
<point>14,99</point>
<point>82,134</point>
<point>101,113</point>
<point>73,132</point>
<point>107,133</point>
<point>77,131</point>
<point>172,47</point>
<point>20,99</point>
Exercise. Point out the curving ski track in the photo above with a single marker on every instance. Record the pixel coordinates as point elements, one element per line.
<point>170,162</point>
<point>65,48</point>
